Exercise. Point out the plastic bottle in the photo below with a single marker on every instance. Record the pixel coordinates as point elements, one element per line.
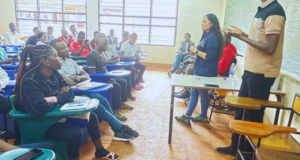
<point>231,73</point>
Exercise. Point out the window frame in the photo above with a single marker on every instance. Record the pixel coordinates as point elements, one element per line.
<point>63,21</point>
<point>150,22</point>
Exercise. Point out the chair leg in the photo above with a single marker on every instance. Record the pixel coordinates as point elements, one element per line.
<point>212,110</point>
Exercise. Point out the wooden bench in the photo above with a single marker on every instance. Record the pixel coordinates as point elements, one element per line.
<point>268,154</point>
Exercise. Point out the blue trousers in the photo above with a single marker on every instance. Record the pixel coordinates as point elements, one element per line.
<point>194,100</point>
<point>178,59</point>
<point>104,112</point>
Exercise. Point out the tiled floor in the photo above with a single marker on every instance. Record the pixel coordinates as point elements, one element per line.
<point>150,118</point>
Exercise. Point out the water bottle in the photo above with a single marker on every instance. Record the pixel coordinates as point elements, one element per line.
<point>231,73</point>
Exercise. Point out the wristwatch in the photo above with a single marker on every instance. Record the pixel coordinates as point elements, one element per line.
<point>197,52</point>
<point>78,78</point>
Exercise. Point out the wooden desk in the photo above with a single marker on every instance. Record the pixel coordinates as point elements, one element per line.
<point>190,81</point>
<point>267,154</point>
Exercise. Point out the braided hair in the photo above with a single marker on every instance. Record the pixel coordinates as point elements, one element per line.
<point>36,54</point>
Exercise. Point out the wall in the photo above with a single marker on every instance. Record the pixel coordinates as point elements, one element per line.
<point>7,8</point>
<point>157,54</point>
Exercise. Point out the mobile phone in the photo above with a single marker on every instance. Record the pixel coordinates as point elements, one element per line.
<point>211,85</point>
<point>86,41</point>
<point>30,155</point>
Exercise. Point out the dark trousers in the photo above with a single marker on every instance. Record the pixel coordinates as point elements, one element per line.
<point>119,92</point>
<point>73,134</point>
<point>128,84</point>
<point>137,67</point>
<point>253,86</point>
<point>4,107</point>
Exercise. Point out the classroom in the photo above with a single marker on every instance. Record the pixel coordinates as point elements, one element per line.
<point>149,80</point>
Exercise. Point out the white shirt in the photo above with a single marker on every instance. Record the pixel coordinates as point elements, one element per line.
<point>11,38</point>
<point>4,79</point>
<point>75,36</point>
<point>110,52</point>
<point>69,67</point>
<point>40,43</point>
<point>186,47</point>
<point>129,50</point>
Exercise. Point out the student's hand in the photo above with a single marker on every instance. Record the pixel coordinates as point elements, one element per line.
<point>15,60</point>
<point>235,32</point>
<point>193,49</point>
<point>185,53</point>
<point>8,61</point>
<point>52,99</point>
<point>1,91</point>
<point>84,45</point>
<point>87,43</point>
<point>136,55</point>
<point>225,30</point>
<point>64,89</point>
<point>137,51</point>
<point>84,78</point>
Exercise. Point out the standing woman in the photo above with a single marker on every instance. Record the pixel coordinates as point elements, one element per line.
<point>208,52</point>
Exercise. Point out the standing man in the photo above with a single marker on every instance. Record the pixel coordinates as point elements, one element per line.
<point>262,60</point>
<point>12,37</point>
<point>112,39</point>
<point>50,34</point>
<point>184,51</point>
<point>68,39</point>
<point>74,33</point>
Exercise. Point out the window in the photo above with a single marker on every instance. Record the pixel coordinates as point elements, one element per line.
<point>154,21</point>
<point>60,14</point>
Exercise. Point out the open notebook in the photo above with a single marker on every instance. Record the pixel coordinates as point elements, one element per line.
<point>86,85</point>
<point>80,104</point>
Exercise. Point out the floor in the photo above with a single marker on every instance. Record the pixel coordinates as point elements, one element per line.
<point>150,118</point>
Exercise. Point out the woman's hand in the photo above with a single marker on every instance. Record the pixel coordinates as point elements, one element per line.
<point>193,49</point>
<point>52,99</point>
<point>64,89</point>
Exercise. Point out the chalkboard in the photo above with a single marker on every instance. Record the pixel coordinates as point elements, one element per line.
<point>241,13</point>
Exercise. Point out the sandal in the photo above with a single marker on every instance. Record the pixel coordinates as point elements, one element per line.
<point>137,87</point>
<point>141,86</point>
<point>130,96</point>
<point>127,106</point>
<point>121,117</point>
<point>111,156</point>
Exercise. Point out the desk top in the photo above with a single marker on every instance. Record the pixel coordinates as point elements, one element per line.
<point>134,59</point>
<point>121,64</point>
<point>191,81</point>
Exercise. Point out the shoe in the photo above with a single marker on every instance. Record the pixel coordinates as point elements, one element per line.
<point>198,118</point>
<point>121,117</point>
<point>122,135</point>
<point>184,119</point>
<point>130,96</point>
<point>130,131</point>
<point>226,150</point>
<point>127,107</point>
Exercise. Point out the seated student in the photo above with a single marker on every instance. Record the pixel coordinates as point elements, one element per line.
<point>32,40</point>
<point>125,37</point>
<point>111,55</point>
<point>68,39</point>
<point>113,40</point>
<point>4,59</point>
<point>42,36</point>
<point>183,53</point>
<point>40,88</point>
<point>229,53</point>
<point>96,63</point>
<point>93,45</point>
<point>4,146</point>
<point>130,49</point>
<point>12,37</point>
<point>49,34</point>
<point>72,74</point>
<point>81,47</point>
<point>74,33</point>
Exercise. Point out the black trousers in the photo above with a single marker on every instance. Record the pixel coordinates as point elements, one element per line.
<point>4,107</point>
<point>70,133</point>
<point>73,134</point>
<point>253,86</point>
<point>119,91</point>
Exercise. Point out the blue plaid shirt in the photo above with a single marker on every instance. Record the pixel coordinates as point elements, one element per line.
<point>50,37</point>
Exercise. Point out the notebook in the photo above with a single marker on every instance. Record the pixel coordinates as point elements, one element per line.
<point>86,85</point>
<point>80,104</point>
